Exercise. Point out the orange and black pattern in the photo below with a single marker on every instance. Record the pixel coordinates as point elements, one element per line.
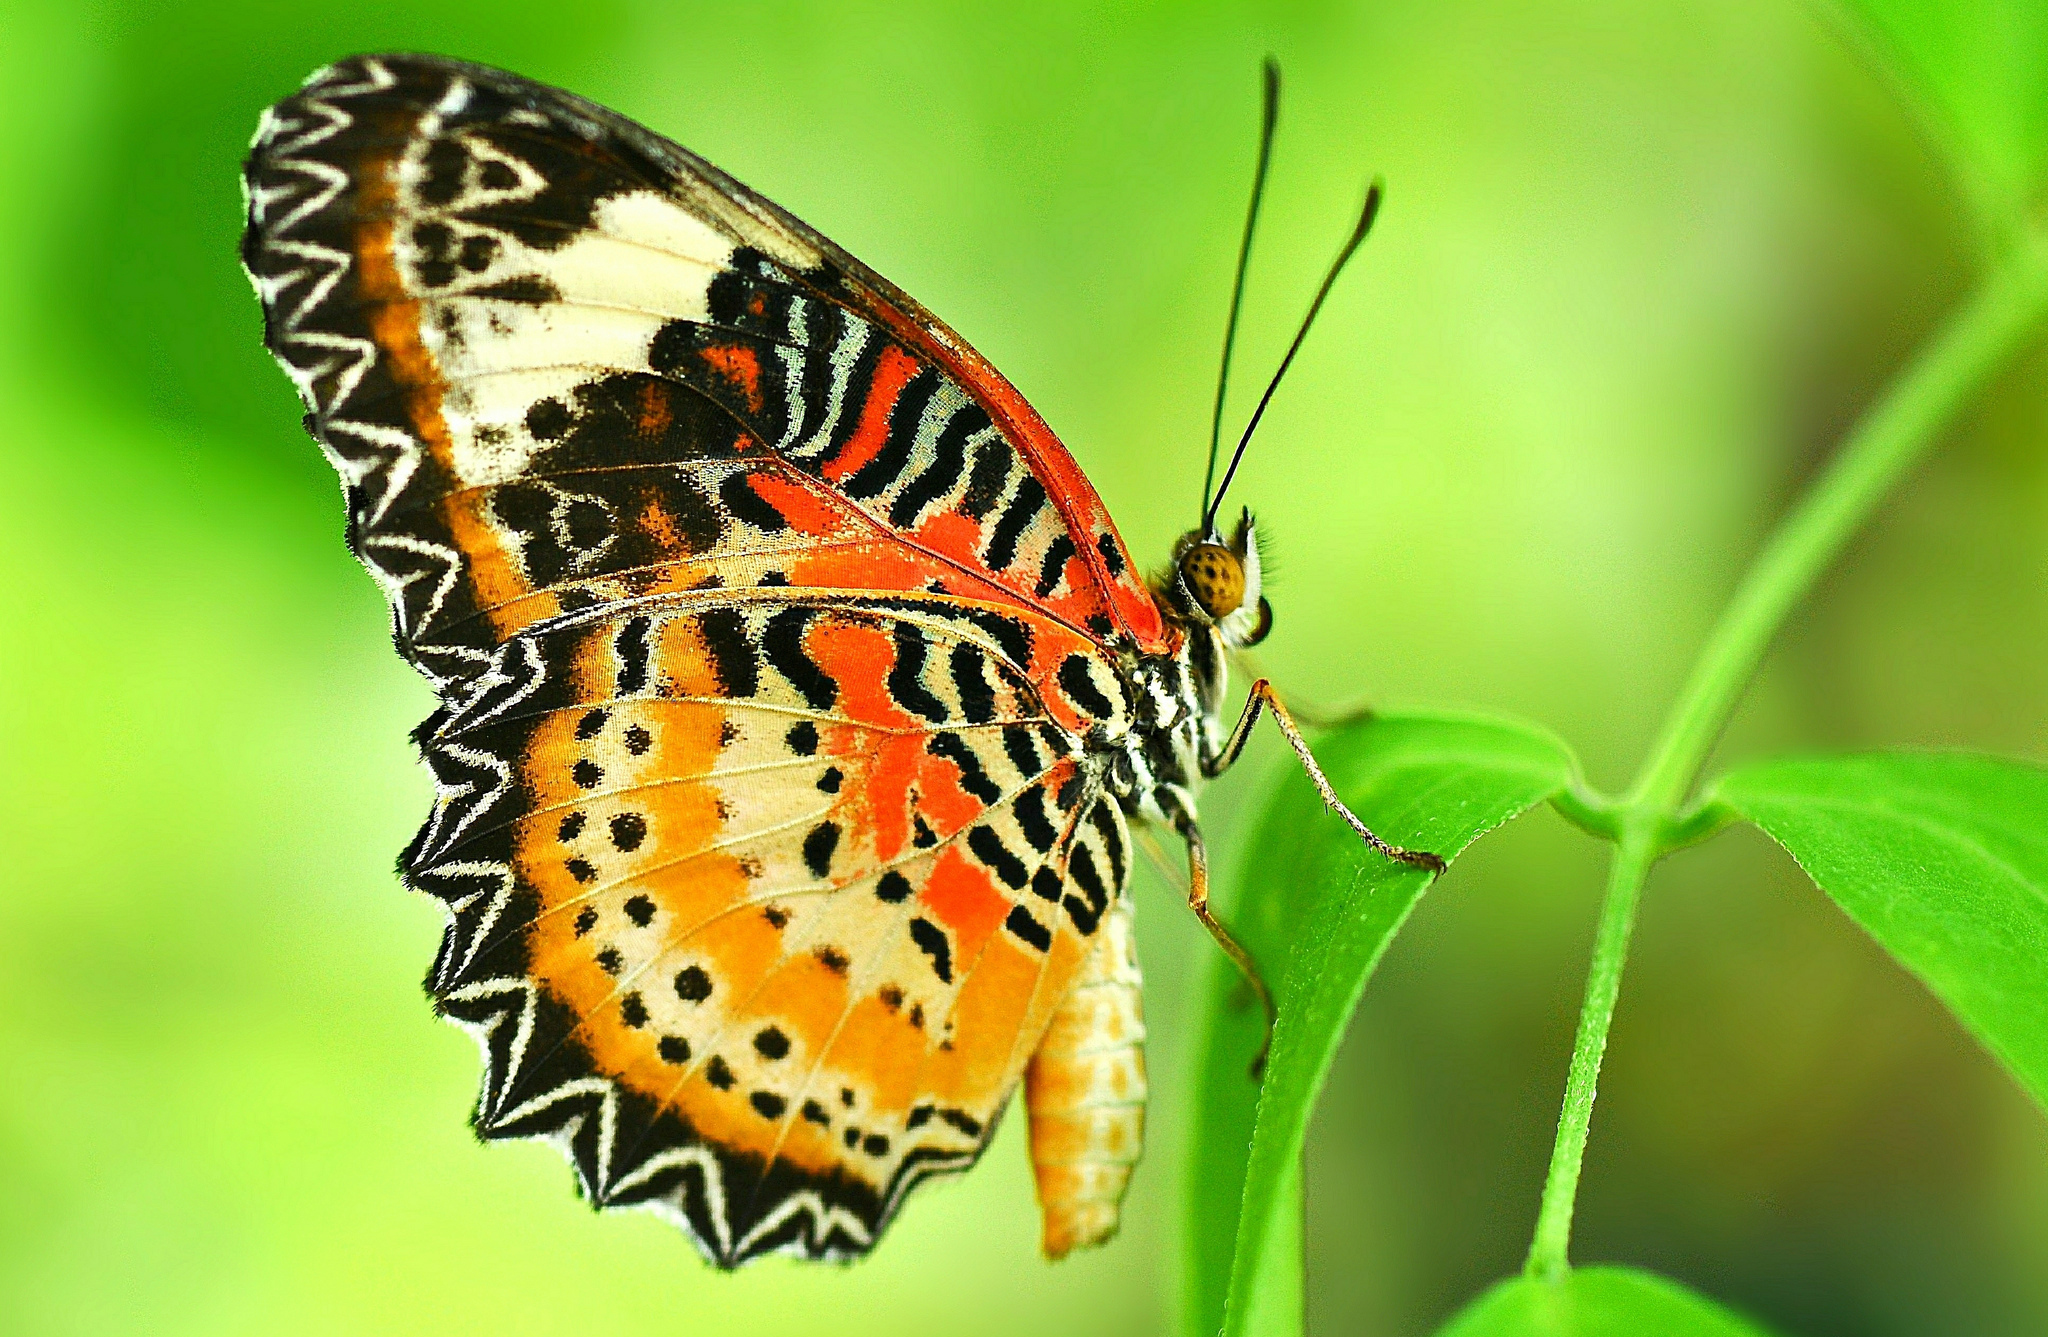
<point>795,684</point>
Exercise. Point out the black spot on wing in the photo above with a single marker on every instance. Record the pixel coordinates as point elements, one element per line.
<point>632,418</point>
<point>973,778</point>
<point>949,459</point>
<point>874,478</point>
<point>1105,823</point>
<point>1080,688</point>
<point>1112,553</point>
<point>442,169</point>
<point>906,676</point>
<point>1020,749</point>
<point>1054,568</point>
<point>628,829</point>
<point>818,847</point>
<point>632,650</point>
<point>524,289</point>
<point>1010,526</point>
<point>931,940</point>
<point>479,249</point>
<point>548,420</point>
<point>977,697</point>
<point>1012,636</point>
<point>962,1120</point>
<point>726,641</point>
<point>1028,929</point>
<point>784,642</point>
<point>994,462</point>
<point>1086,914</point>
<point>1034,821</point>
<point>746,505</point>
<point>996,856</point>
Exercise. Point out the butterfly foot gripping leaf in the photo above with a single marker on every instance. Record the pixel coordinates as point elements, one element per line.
<point>796,688</point>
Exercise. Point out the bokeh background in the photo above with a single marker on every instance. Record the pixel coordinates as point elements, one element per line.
<point>1638,270</point>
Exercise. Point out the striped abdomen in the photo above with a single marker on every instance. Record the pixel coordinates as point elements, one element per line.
<point>1085,1094</point>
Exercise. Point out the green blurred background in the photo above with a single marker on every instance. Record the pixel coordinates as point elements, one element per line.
<point>1638,269</point>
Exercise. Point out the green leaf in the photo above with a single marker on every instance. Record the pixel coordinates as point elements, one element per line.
<point>1317,908</point>
<point>1977,71</point>
<point>1596,1302</point>
<point>1943,858</point>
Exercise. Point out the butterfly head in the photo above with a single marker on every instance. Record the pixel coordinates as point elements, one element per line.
<point>1215,582</point>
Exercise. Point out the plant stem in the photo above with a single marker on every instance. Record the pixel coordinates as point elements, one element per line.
<point>1978,340</point>
<point>1982,336</point>
<point>1632,860</point>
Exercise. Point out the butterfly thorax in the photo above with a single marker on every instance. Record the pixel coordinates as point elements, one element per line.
<point>1210,600</point>
<point>1155,767</point>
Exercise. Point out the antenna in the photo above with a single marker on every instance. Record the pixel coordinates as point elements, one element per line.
<point>1365,217</point>
<point>1271,114</point>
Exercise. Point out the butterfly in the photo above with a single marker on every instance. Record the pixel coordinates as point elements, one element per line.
<point>797,695</point>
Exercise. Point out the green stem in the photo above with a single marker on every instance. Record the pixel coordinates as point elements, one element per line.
<point>1984,334</point>
<point>1978,340</point>
<point>1632,860</point>
<point>1589,810</point>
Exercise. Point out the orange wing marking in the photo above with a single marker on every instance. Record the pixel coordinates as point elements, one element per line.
<point>394,321</point>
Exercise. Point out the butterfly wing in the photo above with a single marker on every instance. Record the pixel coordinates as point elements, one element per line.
<point>767,621</point>
<point>510,311</point>
<point>758,945</point>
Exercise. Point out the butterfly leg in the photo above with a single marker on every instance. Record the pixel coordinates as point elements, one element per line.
<point>1198,901</point>
<point>1263,698</point>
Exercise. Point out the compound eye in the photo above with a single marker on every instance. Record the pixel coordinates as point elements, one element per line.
<point>1264,625</point>
<point>1215,577</point>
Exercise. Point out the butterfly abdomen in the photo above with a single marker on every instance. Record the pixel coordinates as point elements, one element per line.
<point>1085,1095</point>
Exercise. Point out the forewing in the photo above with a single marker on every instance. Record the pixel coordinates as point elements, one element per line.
<point>561,361</point>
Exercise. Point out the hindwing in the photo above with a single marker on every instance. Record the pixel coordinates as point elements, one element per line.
<point>760,907</point>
